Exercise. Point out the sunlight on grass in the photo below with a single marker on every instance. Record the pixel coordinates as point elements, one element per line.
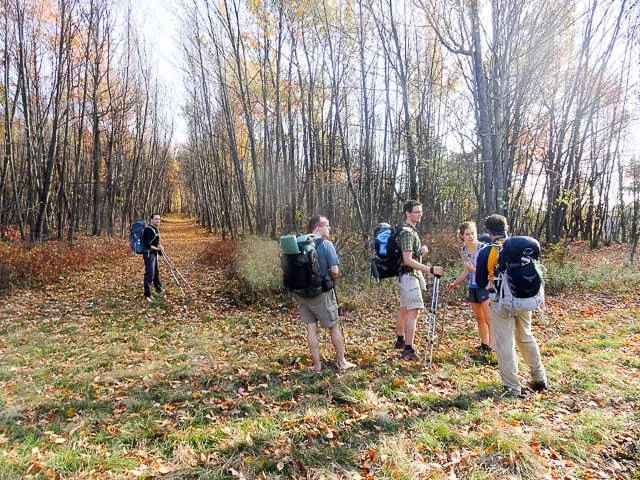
<point>400,459</point>
<point>593,426</point>
<point>213,390</point>
<point>515,453</point>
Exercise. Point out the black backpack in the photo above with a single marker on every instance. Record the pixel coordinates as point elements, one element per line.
<point>520,274</point>
<point>301,271</point>
<point>387,258</point>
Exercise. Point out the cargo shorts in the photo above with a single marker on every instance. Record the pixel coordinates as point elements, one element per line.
<point>410,288</point>
<point>322,309</point>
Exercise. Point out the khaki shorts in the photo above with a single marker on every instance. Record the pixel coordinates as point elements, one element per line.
<point>322,309</point>
<point>410,292</point>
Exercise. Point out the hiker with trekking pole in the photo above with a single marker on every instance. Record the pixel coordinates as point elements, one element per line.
<point>411,281</point>
<point>311,266</point>
<point>152,248</point>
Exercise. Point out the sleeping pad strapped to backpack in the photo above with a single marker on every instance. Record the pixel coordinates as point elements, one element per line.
<point>300,268</point>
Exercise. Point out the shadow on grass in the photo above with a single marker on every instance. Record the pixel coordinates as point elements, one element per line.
<point>202,400</point>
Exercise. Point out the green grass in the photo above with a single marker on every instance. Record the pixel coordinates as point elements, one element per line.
<point>206,392</point>
<point>601,277</point>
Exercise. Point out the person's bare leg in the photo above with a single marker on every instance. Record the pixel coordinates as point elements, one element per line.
<point>400,321</point>
<point>411,317</point>
<point>338,344</point>
<point>314,346</point>
<point>486,309</point>
<point>483,326</point>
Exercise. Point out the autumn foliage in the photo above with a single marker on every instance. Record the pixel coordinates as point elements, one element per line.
<point>23,265</point>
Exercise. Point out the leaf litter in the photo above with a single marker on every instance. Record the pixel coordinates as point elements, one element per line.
<point>96,383</point>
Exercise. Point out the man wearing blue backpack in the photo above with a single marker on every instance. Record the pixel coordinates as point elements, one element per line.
<point>514,297</point>
<point>323,308</point>
<point>152,248</point>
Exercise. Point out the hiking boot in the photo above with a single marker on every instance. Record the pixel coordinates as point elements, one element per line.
<point>150,299</point>
<point>539,386</point>
<point>409,355</point>
<point>399,345</point>
<point>510,393</point>
<point>161,291</point>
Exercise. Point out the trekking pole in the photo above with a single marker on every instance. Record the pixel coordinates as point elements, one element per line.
<point>182,277</point>
<point>170,262</point>
<point>173,274</point>
<point>431,321</point>
<point>445,304</point>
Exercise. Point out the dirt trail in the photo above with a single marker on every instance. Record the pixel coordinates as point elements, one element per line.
<point>119,283</point>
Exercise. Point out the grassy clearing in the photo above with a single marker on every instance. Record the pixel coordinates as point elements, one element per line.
<point>180,401</point>
<point>206,390</point>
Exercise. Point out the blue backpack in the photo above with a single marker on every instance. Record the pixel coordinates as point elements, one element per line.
<point>135,237</point>
<point>387,258</point>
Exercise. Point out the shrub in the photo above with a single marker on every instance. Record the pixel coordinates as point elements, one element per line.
<point>255,271</point>
<point>561,277</point>
<point>23,265</point>
<point>219,253</point>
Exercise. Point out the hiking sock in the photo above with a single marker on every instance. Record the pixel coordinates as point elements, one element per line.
<point>408,348</point>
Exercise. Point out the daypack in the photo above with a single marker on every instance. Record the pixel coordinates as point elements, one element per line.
<point>135,237</point>
<point>520,275</point>
<point>300,268</point>
<point>387,258</point>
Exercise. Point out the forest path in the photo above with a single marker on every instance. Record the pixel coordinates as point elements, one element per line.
<point>118,283</point>
<point>96,382</point>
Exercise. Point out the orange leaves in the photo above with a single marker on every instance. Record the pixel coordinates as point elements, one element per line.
<point>42,264</point>
<point>219,253</point>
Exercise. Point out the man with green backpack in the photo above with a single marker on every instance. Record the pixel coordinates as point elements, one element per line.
<point>311,266</point>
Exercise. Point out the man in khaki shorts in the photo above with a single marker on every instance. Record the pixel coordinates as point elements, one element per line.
<point>323,309</point>
<point>411,279</point>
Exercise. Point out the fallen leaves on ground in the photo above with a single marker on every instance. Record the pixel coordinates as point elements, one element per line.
<point>97,383</point>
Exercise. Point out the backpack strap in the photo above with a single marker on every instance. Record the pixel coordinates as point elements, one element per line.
<point>155,233</point>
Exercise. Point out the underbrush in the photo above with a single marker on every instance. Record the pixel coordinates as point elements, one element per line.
<point>253,267</point>
<point>575,266</point>
<point>255,275</point>
<point>23,265</point>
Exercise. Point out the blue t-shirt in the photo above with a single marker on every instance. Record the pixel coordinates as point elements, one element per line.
<point>327,257</point>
